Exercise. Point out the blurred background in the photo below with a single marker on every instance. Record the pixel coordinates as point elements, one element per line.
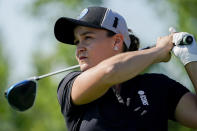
<point>28,48</point>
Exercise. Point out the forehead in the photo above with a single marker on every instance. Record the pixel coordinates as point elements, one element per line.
<point>82,29</point>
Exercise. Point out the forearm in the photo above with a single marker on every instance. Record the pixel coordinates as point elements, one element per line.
<point>127,65</point>
<point>191,69</point>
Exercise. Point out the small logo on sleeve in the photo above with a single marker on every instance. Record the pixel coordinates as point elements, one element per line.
<point>143,97</point>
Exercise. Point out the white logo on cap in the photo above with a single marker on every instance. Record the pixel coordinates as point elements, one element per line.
<point>83,13</point>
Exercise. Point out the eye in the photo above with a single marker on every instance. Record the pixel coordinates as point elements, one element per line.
<point>87,37</point>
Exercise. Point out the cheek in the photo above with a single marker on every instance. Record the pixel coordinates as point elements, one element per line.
<point>101,51</point>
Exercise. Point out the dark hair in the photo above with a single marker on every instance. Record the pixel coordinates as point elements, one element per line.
<point>135,42</point>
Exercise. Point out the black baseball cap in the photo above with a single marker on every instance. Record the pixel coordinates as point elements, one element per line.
<point>95,17</point>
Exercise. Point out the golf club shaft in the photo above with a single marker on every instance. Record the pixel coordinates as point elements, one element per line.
<point>56,72</point>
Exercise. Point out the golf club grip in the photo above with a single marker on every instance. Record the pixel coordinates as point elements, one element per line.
<point>188,39</point>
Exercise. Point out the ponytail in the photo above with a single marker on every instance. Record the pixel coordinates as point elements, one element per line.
<point>135,42</point>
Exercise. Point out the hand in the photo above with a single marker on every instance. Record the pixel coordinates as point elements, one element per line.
<point>165,45</point>
<point>186,53</point>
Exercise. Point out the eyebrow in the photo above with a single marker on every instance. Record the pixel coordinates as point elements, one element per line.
<point>86,32</point>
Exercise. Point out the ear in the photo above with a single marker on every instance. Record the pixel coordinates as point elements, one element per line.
<point>118,42</point>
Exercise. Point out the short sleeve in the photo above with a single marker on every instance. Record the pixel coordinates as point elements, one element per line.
<point>175,93</point>
<point>71,112</point>
<point>64,92</point>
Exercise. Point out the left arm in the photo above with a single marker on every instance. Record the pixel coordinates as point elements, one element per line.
<point>191,69</point>
<point>186,110</point>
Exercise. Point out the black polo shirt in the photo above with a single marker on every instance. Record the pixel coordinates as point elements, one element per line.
<point>145,103</point>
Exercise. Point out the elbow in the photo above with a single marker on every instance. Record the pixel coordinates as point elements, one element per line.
<point>110,74</point>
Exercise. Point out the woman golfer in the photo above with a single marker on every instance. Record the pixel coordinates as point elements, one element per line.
<point>109,93</point>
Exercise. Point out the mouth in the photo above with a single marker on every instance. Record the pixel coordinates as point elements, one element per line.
<point>82,57</point>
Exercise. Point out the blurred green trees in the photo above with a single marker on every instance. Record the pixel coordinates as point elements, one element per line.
<point>4,71</point>
<point>187,16</point>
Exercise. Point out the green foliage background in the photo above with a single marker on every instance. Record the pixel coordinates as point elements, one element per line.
<point>45,115</point>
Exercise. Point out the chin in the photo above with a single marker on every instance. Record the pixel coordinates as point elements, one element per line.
<point>84,67</point>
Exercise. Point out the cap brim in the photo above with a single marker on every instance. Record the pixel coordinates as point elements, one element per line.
<point>64,29</point>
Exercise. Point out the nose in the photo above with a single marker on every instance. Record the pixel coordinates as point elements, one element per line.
<point>80,49</point>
